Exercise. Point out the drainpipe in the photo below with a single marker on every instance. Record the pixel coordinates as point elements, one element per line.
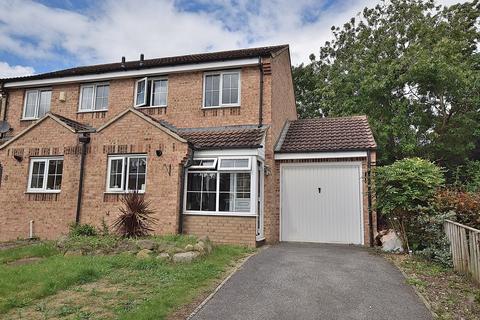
<point>182,191</point>
<point>3,104</point>
<point>84,139</point>
<point>369,196</point>
<point>260,107</point>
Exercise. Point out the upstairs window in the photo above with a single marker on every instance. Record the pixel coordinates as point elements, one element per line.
<point>221,89</point>
<point>37,103</point>
<point>127,173</point>
<point>45,175</point>
<point>151,92</point>
<point>94,97</point>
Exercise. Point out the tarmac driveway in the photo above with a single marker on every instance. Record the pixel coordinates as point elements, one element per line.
<point>315,281</point>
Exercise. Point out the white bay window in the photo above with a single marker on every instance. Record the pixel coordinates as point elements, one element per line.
<point>226,188</point>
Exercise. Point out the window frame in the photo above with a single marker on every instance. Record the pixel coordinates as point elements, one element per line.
<point>253,192</point>
<point>44,189</point>
<point>125,169</point>
<point>152,80</point>
<point>37,102</point>
<point>213,166</point>
<point>247,168</point>
<point>221,74</point>
<point>145,79</point>
<point>94,97</point>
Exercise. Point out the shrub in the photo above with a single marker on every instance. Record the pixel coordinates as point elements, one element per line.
<point>406,191</point>
<point>466,177</point>
<point>465,205</point>
<point>135,219</point>
<point>82,230</point>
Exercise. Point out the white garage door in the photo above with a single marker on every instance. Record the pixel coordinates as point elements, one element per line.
<point>321,203</point>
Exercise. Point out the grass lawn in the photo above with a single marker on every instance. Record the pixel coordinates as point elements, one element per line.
<point>117,286</point>
<point>450,295</point>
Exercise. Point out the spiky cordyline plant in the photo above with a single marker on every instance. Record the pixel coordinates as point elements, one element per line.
<point>135,219</point>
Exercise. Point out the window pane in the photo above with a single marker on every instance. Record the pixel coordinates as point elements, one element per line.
<point>208,201</point>
<point>31,104</point>
<point>212,90</point>
<point>193,200</point>
<point>194,182</point>
<point>136,174</point>
<point>243,182</point>
<point>87,95</point>
<point>228,163</point>
<point>141,92</point>
<point>101,99</point>
<point>38,172</point>
<point>230,88</point>
<point>55,169</point>
<point>116,167</point>
<point>234,192</point>
<point>209,182</point>
<point>159,93</point>
<point>44,106</point>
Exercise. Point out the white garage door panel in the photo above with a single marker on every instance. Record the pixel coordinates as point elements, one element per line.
<point>332,215</point>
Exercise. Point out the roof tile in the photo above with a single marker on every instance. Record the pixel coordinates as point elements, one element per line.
<point>327,134</point>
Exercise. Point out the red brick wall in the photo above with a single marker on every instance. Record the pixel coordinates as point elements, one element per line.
<point>222,229</point>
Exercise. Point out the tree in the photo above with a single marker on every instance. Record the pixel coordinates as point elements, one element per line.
<point>413,67</point>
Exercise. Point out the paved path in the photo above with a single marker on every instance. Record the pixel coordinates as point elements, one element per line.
<point>315,281</point>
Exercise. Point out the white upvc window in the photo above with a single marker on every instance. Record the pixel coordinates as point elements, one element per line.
<point>221,190</point>
<point>204,163</point>
<point>127,173</point>
<point>45,175</point>
<point>151,92</point>
<point>221,89</point>
<point>94,97</point>
<point>37,103</point>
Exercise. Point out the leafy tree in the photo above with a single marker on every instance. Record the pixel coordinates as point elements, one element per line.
<point>406,193</point>
<point>413,67</point>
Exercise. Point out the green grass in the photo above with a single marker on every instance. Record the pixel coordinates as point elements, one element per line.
<point>44,249</point>
<point>144,289</point>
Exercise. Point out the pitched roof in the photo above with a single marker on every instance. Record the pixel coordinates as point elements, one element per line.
<point>326,134</point>
<point>229,137</point>
<point>75,125</point>
<point>158,62</point>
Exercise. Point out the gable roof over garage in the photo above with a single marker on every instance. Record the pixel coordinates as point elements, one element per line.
<point>326,135</point>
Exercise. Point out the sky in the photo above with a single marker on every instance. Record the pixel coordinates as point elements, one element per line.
<point>47,35</point>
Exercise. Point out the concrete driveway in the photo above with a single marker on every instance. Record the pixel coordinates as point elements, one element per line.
<point>315,281</point>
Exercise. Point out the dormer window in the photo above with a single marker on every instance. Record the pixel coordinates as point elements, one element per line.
<point>221,89</point>
<point>37,103</point>
<point>94,97</point>
<point>151,92</point>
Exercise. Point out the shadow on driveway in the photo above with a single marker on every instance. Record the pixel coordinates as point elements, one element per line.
<point>315,281</point>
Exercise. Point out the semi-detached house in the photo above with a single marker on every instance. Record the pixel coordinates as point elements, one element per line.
<point>211,140</point>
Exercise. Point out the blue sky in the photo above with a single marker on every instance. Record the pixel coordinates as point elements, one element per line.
<point>46,35</point>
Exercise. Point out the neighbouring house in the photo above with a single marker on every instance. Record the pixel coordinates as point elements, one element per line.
<point>211,140</point>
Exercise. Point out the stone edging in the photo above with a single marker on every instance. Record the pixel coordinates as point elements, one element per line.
<point>211,295</point>
<point>418,293</point>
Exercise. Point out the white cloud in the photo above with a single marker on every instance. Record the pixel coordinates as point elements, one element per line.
<point>8,71</point>
<point>116,28</point>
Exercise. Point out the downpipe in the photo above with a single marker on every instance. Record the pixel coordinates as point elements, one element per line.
<point>84,140</point>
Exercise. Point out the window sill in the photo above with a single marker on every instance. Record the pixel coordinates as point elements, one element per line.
<point>219,214</point>
<point>29,119</point>
<point>43,192</point>
<point>122,192</point>
<point>149,107</point>
<point>222,107</point>
<point>92,111</point>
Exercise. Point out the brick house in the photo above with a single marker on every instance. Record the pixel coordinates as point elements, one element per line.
<point>211,140</point>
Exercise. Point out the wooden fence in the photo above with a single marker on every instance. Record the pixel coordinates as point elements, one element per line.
<point>465,247</point>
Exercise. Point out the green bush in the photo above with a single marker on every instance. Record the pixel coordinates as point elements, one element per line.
<point>466,177</point>
<point>82,230</point>
<point>405,195</point>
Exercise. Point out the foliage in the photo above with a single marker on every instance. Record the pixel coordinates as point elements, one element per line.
<point>413,68</point>
<point>86,230</point>
<point>135,219</point>
<point>405,192</point>
<point>467,176</point>
<point>464,205</point>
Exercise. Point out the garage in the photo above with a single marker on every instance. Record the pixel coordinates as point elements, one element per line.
<point>324,167</point>
<point>321,203</point>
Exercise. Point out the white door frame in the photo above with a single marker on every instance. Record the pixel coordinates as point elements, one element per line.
<point>319,164</point>
<point>260,195</point>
